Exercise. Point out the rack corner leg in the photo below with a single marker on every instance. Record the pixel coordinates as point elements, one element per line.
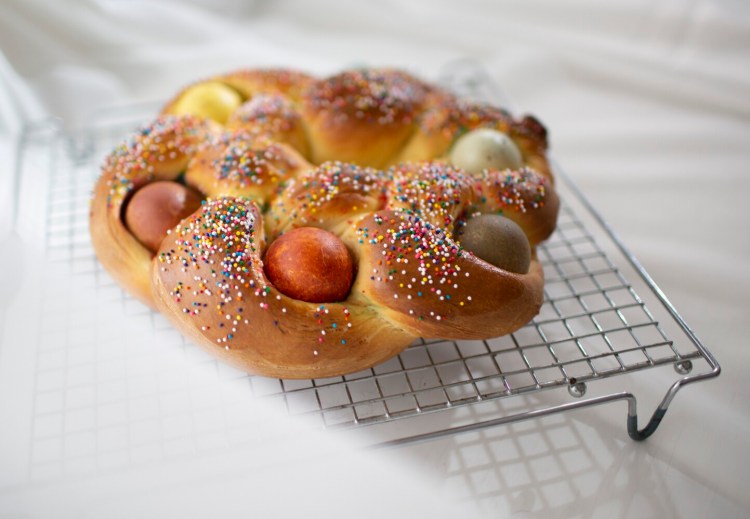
<point>640,435</point>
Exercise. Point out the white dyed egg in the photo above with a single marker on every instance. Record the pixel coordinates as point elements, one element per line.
<point>485,148</point>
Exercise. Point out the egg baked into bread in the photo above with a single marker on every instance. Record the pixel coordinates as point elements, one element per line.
<point>299,227</point>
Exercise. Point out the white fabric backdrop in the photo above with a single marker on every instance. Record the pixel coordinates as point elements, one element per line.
<point>648,107</point>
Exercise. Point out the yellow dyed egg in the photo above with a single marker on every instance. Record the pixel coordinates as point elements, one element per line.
<point>485,148</point>
<point>211,99</point>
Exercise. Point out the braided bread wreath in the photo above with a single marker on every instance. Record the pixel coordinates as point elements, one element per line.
<point>304,228</point>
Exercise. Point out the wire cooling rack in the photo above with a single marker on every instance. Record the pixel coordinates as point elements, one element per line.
<point>602,317</point>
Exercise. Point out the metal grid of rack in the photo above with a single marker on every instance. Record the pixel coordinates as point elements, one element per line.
<point>593,323</point>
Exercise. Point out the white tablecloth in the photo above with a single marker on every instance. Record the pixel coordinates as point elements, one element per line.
<point>648,108</point>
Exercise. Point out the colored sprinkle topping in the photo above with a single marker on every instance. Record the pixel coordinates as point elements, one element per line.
<point>519,190</point>
<point>218,247</point>
<point>460,116</point>
<point>284,80</point>
<point>305,196</point>
<point>417,258</point>
<point>243,164</point>
<point>267,112</point>
<point>215,253</point>
<point>168,138</point>
<point>433,191</point>
<point>217,250</point>
<point>380,96</point>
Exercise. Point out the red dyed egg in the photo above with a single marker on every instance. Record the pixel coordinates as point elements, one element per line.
<point>311,265</point>
<point>157,207</point>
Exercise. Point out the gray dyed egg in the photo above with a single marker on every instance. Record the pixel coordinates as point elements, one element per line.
<point>498,241</point>
<point>485,148</point>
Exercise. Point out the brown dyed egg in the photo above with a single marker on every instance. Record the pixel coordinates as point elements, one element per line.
<point>311,265</point>
<point>157,207</point>
<point>497,240</point>
<point>485,148</point>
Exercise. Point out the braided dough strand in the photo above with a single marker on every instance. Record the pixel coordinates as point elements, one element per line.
<point>364,155</point>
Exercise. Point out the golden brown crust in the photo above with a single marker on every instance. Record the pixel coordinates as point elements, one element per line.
<point>436,191</point>
<point>363,116</point>
<point>250,82</point>
<point>243,164</point>
<point>159,151</point>
<point>401,225</point>
<point>331,196</point>
<point>524,196</point>
<point>272,116</point>
<point>530,136</point>
<point>441,124</point>
<point>423,281</point>
<point>210,282</point>
<point>444,122</point>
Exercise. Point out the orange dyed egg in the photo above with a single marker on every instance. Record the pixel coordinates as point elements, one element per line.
<point>311,265</point>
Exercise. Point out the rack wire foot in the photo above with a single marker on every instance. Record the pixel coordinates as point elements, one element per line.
<point>632,419</point>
